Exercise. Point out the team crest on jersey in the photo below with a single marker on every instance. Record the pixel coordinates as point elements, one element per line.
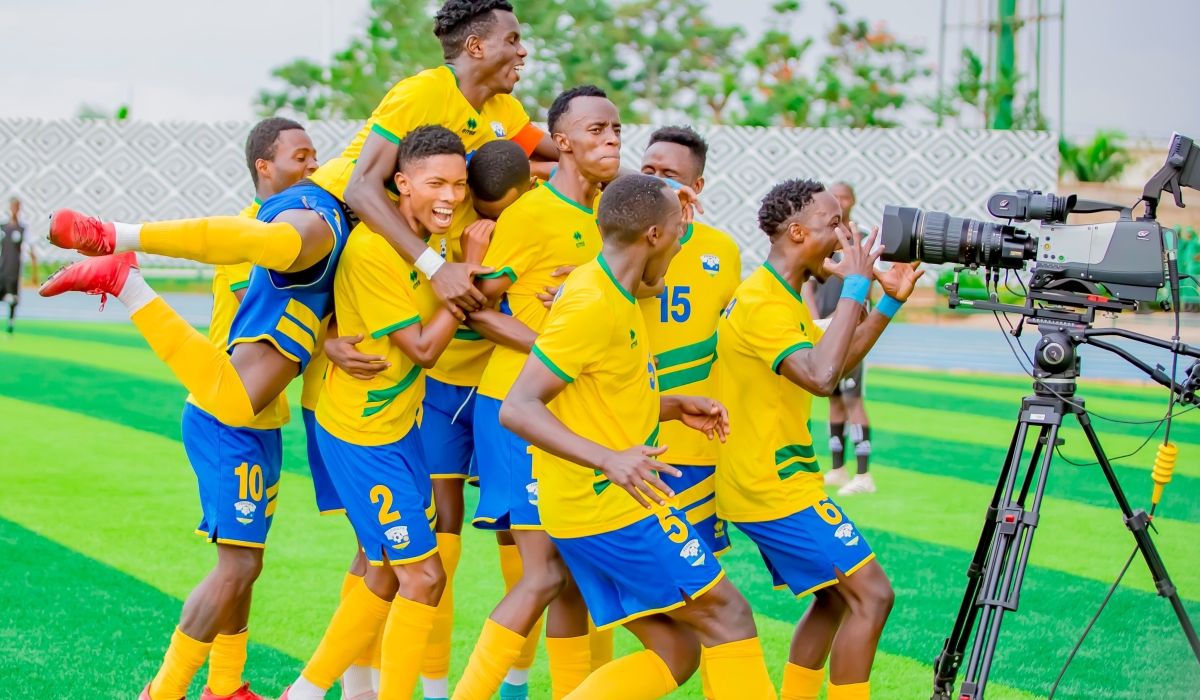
<point>691,552</point>
<point>498,130</point>
<point>416,281</point>
<point>846,534</point>
<point>710,263</point>
<point>443,248</point>
<point>398,536</point>
<point>245,511</point>
<point>469,129</point>
<point>531,490</point>
<point>579,242</point>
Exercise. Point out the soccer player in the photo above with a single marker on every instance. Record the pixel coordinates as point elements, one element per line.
<point>587,400</point>
<point>550,227</point>
<point>846,401</point>
<point>470,95</point>
<point>366,427</point>
<point>12,235</point>
<point>773,360</point>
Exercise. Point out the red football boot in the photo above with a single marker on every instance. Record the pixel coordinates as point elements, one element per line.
<point>243,693</point>
<point>105,275</point>
<point>87,234</point>
<point>146,694</point>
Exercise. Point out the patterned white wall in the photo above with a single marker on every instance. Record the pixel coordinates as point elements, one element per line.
<point>134,171</point>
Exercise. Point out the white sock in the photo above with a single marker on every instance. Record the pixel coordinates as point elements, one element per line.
<point>129,237</point>
<point>435,687</point>
<point>517,676</point>
<point>356,681</point>
<point>303,689</point>
<point>136,293</point>
<point>375,678</point>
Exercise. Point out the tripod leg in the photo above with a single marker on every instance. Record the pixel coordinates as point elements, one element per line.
<point>1138,523</point>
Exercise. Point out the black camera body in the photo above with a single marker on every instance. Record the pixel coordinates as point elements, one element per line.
<point>1121,261</point>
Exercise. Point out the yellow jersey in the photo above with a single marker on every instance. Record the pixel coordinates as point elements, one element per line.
<point>682,323</point>
<point>376,292</point>
<point>313,379</point>
<point>228,279</point>
<point>767,468</point>
<point>463,360</point>
<point>432,97</point>
<point>541,232</point>
<point>595,340</point>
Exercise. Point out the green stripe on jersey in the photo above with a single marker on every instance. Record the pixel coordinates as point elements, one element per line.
<point>683,377</point>
<point>387,396</point>
<point>687,353</point>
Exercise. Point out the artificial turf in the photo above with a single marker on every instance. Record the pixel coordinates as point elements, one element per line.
<point>98,505</point>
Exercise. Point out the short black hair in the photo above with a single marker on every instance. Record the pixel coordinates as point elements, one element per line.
<point>496,168</point>
<point>562,103</point>
<point>630,205</point>
<point>459,19</point>
<point>427,141</point>
<point>260,144</point>
<point>685,136</point>
<point>784,201</point>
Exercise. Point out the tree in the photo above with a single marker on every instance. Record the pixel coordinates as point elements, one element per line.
<point>860,81</point>
<point>777,92</point>
<point>87,111</point>
<point>399,42</point>
<point>1102,160</point>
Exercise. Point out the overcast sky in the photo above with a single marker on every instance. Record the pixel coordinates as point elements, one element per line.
<point>1130,65</point>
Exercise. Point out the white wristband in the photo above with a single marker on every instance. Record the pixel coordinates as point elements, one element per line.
<point>429,263</point>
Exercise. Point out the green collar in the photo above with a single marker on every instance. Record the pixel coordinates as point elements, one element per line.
<point>258,201</point>
<point>604,265</point>
<point>782,281</point>
<point>688,235</point>
<point>568,200</point>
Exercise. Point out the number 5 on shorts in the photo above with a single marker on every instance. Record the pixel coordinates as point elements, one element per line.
<point>670,525</point>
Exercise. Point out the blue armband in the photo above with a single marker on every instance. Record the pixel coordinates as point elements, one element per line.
<point>888,306</point>
<point>856,287</point>
<point>671,183</point>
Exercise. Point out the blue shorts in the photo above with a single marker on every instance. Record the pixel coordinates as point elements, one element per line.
<point>387,495</point>
<point>642,569</point>
<point>802,550</point>
<point>237,470</point>
<point>508,492</point>
<point>695,491</point>
<point>447,429</point>
<point>327,498</point>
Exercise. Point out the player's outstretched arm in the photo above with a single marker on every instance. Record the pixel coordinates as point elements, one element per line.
<point>897,283</point>
<point>367,196</point>
<point>696,412</point>
<point>499,328</point>
<point>525,413</point>
<point>425,342</point>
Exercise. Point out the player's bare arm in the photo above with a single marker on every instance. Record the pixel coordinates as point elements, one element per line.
<point>525,413</point>
<point>699,413</point>
<point>343,352</point>
<point>424,342</point>
<point>898,283</point>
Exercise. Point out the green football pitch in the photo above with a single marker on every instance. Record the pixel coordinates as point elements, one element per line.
<point>98,507</point>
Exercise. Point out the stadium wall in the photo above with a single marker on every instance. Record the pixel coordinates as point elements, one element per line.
<point>140,171</point>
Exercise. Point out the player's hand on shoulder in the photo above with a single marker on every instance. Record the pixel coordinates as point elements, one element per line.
<point>705,415</point>
<point>900,280</point>
<point>551,292</point>
<point>636,470</point>
<point>475,239</point>
<point>858,256</point>
<point>454,284</point>
<point>346,357</point>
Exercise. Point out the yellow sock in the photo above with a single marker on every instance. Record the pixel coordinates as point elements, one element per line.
<point>601,643</point>
<point>512,569</point>
<point>737,670</point>
<point>705,684</point>
<point>203,369</point>
<point>184,657</point>
<point>226,661</point>
<point>570,663</point>
<point>224,240</point>
<point>801,683</point>
<point>377,650</point>
<point>349,581</point>
<point>357,621</point>
<point>494,654</point>
<point>850,691</point>
<point>437,650</point>
<point>640,676</point>
<point>404,638</point>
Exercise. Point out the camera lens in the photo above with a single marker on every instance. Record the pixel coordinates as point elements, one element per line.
<point>936,237</point>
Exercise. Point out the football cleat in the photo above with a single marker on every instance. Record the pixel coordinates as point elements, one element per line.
<point>87,234</point>
<point>243,693</point>
<point>837,477</point>
<point>103,276</point>
<point>861,483</point>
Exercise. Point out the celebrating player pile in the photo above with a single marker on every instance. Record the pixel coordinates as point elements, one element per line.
<point>575,340</point>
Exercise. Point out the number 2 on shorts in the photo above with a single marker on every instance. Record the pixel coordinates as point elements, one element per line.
<point>383,496</point>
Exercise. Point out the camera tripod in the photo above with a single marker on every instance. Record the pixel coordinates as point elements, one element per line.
<point>998,566</point>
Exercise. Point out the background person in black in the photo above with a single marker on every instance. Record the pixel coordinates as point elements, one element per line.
<point>12,235</point>
<point>846,402</point>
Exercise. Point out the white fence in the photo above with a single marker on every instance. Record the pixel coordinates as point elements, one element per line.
<point>139,171</point>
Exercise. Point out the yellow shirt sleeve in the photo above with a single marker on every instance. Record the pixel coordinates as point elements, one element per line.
<point>382,296</point>
<point>773,331</point>
<point>513,251</point>
<point>410,103</point>
<point>238,275</point>
<point>577,334</point>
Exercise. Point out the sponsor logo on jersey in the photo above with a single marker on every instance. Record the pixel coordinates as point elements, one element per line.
<point>498,130</point>
<point>398,535</point>
<point>579,242</point>
<point>691,552</point>
<point>710,263</point>
<point>632,339</point>
<point>846,534</point>
<point>245,511</point>
<point>469,129</point>
<point>416,281</point>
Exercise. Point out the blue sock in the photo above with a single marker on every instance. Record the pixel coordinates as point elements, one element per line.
<point>508,691</point>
